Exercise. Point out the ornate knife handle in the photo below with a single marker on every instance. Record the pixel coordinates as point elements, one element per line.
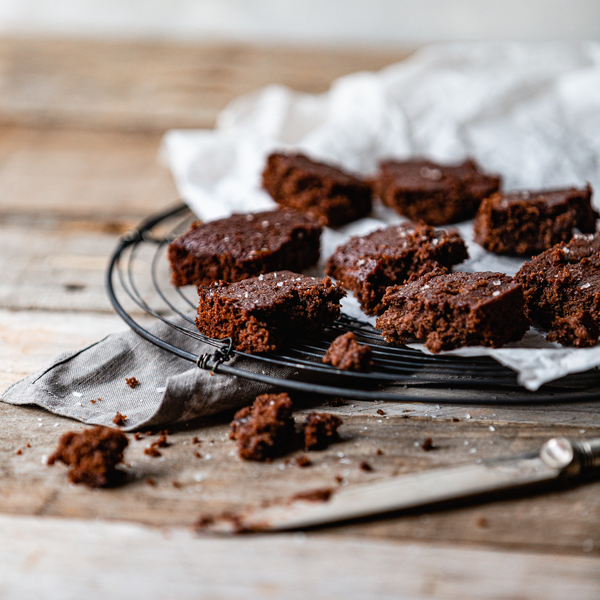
<point>574,457</point>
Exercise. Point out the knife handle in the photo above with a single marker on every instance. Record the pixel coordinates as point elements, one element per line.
<point>588,453</point>
<point>573,457</point>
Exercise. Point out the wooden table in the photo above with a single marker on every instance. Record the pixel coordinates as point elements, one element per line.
<point>81,127</point>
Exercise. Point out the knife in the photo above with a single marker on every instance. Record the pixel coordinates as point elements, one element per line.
<point>558,459</point>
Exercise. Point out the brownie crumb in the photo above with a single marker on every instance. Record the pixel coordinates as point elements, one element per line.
<point>28,445</point>
<point>365,466</point>
<point>197,455</point>
<point>427,444</point>
<point>93,401</point>
<point>381,412</point>
<point>303,461</point>
<point>151,482</point>
<point>162,442</point>
<point>379,452</point>
<point>196,441</point>
<point>347,354</point>
<point>321,495</point>
<point>482,522</point>
<point>19,451</point>
<point>337,402</point>
<point>92,455</point>
<point>455,420</point>
<point>320,430</point>
<point>152,451</point>
<point>137,436</point>
<point>119,419</point>
<point>339,480</point>
<point>265,429</point>
<point>176,484</point>
<point>132,382</point>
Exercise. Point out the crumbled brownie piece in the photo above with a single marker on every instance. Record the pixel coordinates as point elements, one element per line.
<point>562,290</point>
<point>323,191</point>
<point>242,246</point>
<point>369,264</point>
<point>365,466</point>
<point>337,402</point>
<point>152,451</point>
<point>322,495</point>
<point>19,451</point>
<point>437,194</point>
<point>379,452</point>
<point>380,412</point>
<point>92,455</point>
<point>197,454</point>
<point>258,314</point>
<point>137,436</point>
<point>303,461</point>
<point>454,310</point>
<point>347,354</point>
<point>265,429</point>
<point>119,419</point>
<point>320,430</point>
<point>150,481</point>
<point>132,382</point>
<point>427,444</point>
<point>525,223</point>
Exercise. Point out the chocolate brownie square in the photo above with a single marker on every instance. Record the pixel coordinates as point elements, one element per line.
<point>347,354</point>
<point>259,313</point>
<point>437,194</point>
<point>242,246</point>
<point>324,191</point>
<point>265,429</point>
<point>562,290</point>
<point>368,265</point>
<point>454,310</point>
<point>528,222</point>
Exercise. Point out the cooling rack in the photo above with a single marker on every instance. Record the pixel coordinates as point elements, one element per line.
<point>138,287</point>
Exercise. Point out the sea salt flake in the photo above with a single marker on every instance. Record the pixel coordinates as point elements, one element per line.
<point>77,394</point>
<point>425,287</point>
<point>496,293</point>
<point>361,262</point>
<point>265,223</point>
<point>261,277</point>
<point>492,428</point>
<point>585,286</point>
<point>160,390</point>
<point>280,284</point>
<point>496,282</point>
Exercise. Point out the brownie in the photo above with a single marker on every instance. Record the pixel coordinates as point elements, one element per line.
<point>322,190</point>
<point>259,313</point>
<point>437,194</point>
<point>320,430</point>
<point>265,429</point>
<point>92,455</point>
<point>528,222</point>
<point>454,310</point>
<point>347,354</point>
<point>368,265</point>
<point>242,246</point>
<point>562,290</point>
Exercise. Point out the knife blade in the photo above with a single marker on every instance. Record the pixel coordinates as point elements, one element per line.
<point>558,458</point>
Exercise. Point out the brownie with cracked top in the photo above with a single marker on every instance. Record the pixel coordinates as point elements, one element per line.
<point>347,354</point>
<point>529,222</point>
<point>368,265</point>
<point>322,190</point>
<point>562,290</point>
<point>242,246</point>
<point>437,194</point>
<point>265,429</point>
<point>92,455</point>
<point>260,312</point>
<point>454,310</point>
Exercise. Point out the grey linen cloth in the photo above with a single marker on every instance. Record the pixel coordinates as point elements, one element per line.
<point>89,384</point>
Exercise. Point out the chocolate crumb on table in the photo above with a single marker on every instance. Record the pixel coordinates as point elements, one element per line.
<point>380,412</point>
<point>437,194</point>
<point>152,451</point>
<point>562,291</point>
<point>321,190</point>
<point>259,313</point>
<point>119,419</point>
<point>337,402</point>
<point>265,429</point>
<point>427,444</point>
<point>321,430</point>
<point>454,310</point>
<point>319,495</point>
<point>529,222</point>
<point>243,246</point>
<point>368,265</point>
<point>347,354</point>
<point>365,466</point>
<point>132,382</point>
<point>303,461</point>
<point>92,455</point>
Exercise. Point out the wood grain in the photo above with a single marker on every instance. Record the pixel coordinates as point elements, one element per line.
<point>155,86</point>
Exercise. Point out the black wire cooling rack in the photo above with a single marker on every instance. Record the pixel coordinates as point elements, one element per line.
<point>137,282</point>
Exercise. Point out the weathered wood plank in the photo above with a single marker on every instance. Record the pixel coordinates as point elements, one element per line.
<point>154,86</point>
<point>71,559</point>
<point>92,175</point>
